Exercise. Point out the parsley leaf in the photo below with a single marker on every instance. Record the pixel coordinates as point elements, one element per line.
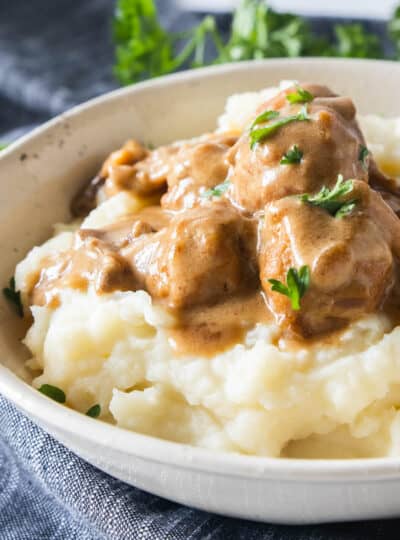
<point>264,117</point>
<point>259,134</point>
<point>363,155</point>
<point>293,155</point>
<point>218,190</point>
<point>53,392</point>
<point>394,31</point>
<point>14,296</point>
<point>297,283</point>
<point>345,209</point>
<point>354,41</point>
<point>257,31</point>
<point>94,411</point>
<point>299,96</point>
<point>331,200</point>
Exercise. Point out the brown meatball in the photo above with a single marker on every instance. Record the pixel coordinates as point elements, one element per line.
<point>201,166</point>
<point>330,143</point>
<point>204,255</point>
<point>183,167</point>
<point>350,261</point>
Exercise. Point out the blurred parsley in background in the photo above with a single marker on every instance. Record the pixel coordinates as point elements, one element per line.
<point>144,49</point>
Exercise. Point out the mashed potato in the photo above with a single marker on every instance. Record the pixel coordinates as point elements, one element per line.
<point>260,397</point>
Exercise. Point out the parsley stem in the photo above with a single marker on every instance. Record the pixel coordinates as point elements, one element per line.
<point>259,134</point>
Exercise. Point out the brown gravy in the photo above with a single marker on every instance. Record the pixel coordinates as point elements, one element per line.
<point>208,330</point>
<point>230,220</point>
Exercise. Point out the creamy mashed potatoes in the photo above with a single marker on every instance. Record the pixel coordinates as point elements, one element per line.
<point>332,398</point>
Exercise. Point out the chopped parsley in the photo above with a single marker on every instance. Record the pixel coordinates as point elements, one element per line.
<point>218,190</point>
<point>293,155</point>
<point>53,392</point>
<point>94,411</point>
<point>356,41</point>
<point>14,296</point>
<point>331,200</point>
<point>264,117</point>
<point>297,283</point>
<point>299,96</point>
<point>345,209</point>
<point>259,134</point>
<point>363,155</point>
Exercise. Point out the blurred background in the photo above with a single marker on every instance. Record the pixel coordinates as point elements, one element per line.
<point>55,54</point>
<point>345,8</point>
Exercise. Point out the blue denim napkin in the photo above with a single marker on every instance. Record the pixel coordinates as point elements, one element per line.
<point>46,492</point>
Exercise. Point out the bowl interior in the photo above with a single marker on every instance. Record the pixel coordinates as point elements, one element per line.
<point>42,171</point>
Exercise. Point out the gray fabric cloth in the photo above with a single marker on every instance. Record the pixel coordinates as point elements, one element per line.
<point>57,53</point>
<point>47,492</point>
<point>54,54</point>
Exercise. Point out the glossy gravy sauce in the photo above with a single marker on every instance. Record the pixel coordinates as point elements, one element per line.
<point>207,253</point>
<point>212,329</point>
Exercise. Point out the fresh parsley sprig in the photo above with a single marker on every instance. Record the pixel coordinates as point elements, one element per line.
<point>293,156</point>
<point>297,283</point>
<point>217,190</point>
<point>331,200</point>
<point>259,134</point>
<point>145,49</point>
<point>354,41</point>
<point>14,296</point>
<point>300,95</point>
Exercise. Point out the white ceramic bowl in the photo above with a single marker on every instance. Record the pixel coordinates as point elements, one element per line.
<point>40,173</point>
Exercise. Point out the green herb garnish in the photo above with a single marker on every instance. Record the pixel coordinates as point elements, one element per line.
<point>218,190</point>
<point>14,296</point>
<point>259,134</point>
<point>264,117</point>
<point>297,283</point>
<point>293,155</point>
<point>354,41</point>
<point>94,411</point>
<point>144,49</point>
<point>362,156</point>
<point>331,200</point>
<point>2,146</point>
<point>53,392</point>
<point>299,96</point>
<point>345,209</point>
<point>394,31</point>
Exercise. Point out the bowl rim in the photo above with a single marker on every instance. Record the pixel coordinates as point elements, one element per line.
<point>48,412</point>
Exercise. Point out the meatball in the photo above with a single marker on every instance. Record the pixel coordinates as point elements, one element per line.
<point>350,261</point>
<point>330,143</point>
<point>201,167</point>
<point>203,256</point>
